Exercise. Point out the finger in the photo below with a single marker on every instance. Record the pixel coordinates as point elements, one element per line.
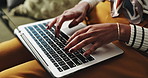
<point>83,30</point>
<point>61,20</point>
<point>76,21</point>
<point>66,17</point>
<point>92,49</point>
<point>80,18</point>
<point>50,24</point>
<point>77,40</point>
<point>82,44</point>
<point>73,23</point>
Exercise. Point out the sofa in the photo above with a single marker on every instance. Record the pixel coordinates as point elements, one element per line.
<point>28,11</point>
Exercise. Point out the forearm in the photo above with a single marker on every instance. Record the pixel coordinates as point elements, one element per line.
<point>134,36</point>
<point>124,32</point>
<point>139,38</point>
<point>91,3</point>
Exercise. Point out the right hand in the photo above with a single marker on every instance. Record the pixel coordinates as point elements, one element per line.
<point>77,14</point>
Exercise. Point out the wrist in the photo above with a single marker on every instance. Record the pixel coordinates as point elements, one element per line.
<point>85,4</point>
<point>124,33</point>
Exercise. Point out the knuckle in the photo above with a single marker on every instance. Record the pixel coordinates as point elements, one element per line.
<point>65,11</point>
<point>86,42</point>
<point>77,32</point>
<point>95,47</point>
<point>79,37</point>
<point>80,20</point>
<point>91,32</point>
<point>63,16</point>
<point>89,27</point>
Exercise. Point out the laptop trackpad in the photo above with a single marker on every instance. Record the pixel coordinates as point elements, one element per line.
<point>70,31</point>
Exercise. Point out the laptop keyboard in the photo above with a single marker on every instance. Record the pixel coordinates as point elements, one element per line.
<point>54,47</point>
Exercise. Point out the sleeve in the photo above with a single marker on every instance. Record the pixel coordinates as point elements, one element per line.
<point>139,38</point>
<point>92,3</point>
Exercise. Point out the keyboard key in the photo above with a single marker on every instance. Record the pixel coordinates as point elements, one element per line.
<point>63,55</point>
<point>49,49</point>
<point>52,30</point>
<point>52,53</point>
<point>59,69</point>
<point>41,26</point>
<point>62,40</point>
<point>56,48</point>
<point>52,60</point>
<point>31,28</point>
<point>66,59</point>
<point>70,55</point>
<point>65,67</point>
<point>81,51</point>
<point>55,55</point>
<point>56,64</point>
<point>77,53</point>
<point>64,36</point>
<point>90,58</point>
<point>76,61</point>
<point>58,59</point>
<point>59,52</point>
<point>45,24</point>
<point>49,56</point>
<point>61,63</point>
<point>84,60</point>
<point>71,64</point>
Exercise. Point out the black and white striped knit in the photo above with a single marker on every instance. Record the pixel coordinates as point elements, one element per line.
<point>139,38</point>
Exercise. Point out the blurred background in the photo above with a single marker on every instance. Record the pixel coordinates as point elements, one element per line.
<point>28,11</point>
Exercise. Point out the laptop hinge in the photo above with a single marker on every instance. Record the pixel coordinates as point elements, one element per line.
<point>31,47</point>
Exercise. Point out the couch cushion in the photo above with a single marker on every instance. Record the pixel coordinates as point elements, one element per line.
<point>43,9</point>
<point>13,3</point>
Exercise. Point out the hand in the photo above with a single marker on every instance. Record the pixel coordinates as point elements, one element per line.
<point>77,13</point>
<point>98,35</point>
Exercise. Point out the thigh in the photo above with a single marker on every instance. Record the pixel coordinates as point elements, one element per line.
<point>31,69</point>
<point>12,52</point>
<point>102,14</point>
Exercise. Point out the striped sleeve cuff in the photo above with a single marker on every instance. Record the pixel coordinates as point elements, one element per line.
<point>139,38</point>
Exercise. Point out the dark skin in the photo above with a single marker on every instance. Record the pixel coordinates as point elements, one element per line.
<point>96,34</point>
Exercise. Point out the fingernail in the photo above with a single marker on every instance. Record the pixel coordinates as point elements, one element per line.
<point>85,54</point>
<point>71,50</point>
<point>67,42</point>
<point>55,24</point>
<point>66,49</point>
<point>47,28</point>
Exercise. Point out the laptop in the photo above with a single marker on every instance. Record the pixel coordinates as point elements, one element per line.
<point>49,52</point>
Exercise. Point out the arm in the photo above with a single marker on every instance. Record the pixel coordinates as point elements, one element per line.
<point>91,3</point>
<point>101,34</point>
<point>139,38</point>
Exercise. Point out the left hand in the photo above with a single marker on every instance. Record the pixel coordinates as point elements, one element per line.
<point>98,34</point>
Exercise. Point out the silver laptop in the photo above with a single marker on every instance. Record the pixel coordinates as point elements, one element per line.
<point>49,51</point>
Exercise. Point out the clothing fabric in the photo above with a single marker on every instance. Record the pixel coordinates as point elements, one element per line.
<point>133,10</point>
<point>17,62</point>
<point>139,38</point>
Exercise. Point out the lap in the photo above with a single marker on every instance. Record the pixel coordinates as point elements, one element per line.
<point>131,64</point>
<point>30,69</point>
